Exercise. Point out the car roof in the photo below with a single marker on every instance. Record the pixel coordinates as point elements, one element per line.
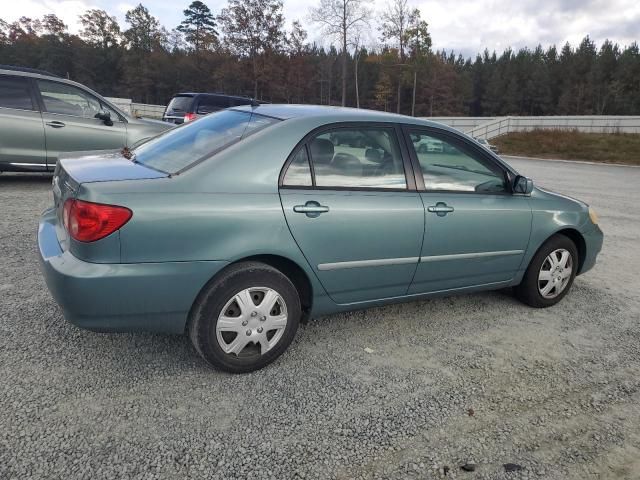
<point>28,72</point>
<point>333,114</point>
<point>197,94</point>
<point>14,68</point>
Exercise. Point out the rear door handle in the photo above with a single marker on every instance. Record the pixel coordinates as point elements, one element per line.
<point>56,124</point>
<point>312,209</point>
<point>440,209</point>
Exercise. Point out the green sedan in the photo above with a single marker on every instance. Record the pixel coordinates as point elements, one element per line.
<point>238,226</point>
<point>43,116</point>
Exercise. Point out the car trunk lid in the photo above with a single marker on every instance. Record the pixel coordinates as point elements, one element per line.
<point>80,168</point>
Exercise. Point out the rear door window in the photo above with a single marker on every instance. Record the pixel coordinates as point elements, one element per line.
<point>209,104</point>
<point>355,158</point>
<point>14,93</point>
<point>186,145</point>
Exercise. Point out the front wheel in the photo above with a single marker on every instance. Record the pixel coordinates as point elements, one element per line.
<point>550,273</point>
<point>246,318</point>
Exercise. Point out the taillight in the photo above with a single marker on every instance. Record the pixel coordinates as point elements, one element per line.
<point>88,221</point>
<point>189,117</point>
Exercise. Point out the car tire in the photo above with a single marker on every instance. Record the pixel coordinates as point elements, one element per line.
<point>544,283</point>
<point>222,316</point>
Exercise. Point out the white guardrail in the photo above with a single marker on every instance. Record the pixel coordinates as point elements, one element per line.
<point>483,127</point>
<point>479,127</point>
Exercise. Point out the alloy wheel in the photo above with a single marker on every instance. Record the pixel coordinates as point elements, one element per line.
<point>252,322</point>
<point>555,273</point>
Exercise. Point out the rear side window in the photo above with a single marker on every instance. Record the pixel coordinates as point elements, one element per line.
<point>240,101</point>
<point>210,104</point>
<point>299,172</point>
<point>186,145</point>
<point>180,105</point>
<point>14,93</point>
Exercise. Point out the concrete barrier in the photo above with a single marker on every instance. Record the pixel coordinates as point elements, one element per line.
<point>138,109</point>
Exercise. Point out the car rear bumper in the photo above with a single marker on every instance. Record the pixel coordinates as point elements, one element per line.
<point>119,297</point>
<point>593,241</point>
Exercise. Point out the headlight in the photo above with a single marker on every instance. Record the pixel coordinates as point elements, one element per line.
<point>593,216</point>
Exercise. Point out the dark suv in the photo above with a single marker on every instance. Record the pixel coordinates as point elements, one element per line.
<point>185,107</point>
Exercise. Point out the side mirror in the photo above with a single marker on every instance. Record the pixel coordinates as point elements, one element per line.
<point>522,185</point>
<point>105,116</point>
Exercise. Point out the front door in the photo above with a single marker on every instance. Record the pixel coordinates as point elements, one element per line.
<point>21,130</point>
<point>70,124</point>
<point>346,200</point>
<point>476,231</point>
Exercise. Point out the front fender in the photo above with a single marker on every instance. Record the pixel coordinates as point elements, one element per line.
<point>553,213</point>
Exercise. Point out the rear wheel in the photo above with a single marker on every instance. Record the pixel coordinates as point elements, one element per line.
<point>550,274</point>
<point>246,318</point>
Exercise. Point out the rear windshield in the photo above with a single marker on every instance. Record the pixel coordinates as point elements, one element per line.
<point>179,105</point>
<point>183,146</point>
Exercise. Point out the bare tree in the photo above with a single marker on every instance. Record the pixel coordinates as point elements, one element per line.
<point>418,41</point>
<point>357,48</point>
<point>4,29</point>
<point>341,19</point>
<point>100,29</point>
<point>395,21</point>
<point>253,29</point>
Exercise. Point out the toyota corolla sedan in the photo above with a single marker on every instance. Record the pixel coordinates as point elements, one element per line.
<point>235,228</point>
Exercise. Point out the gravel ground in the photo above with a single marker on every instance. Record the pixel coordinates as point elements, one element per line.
<point>470,379</point>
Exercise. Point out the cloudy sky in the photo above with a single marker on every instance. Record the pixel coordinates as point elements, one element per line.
<point>466,26</point>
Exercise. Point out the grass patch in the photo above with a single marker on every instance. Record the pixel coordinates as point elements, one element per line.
<point>573,145</point>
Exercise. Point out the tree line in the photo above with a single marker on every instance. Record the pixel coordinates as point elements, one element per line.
<point>247,49</point>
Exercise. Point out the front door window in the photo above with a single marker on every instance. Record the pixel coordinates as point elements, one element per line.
<point>448,166</point>
<point>66,99</point>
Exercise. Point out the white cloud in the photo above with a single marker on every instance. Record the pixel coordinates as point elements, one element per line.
<point>67,10</point>
<point>467,26</point>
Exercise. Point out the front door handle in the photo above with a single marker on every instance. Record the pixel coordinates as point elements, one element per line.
<point>56,124</point>
<point>440,209</point>
<point>312,209</point>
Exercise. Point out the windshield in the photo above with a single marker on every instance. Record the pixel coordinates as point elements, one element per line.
<point>181,147</point>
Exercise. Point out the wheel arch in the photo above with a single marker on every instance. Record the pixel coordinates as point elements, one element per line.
<point>294,272</point>
<point>286,266</point>
<point>578,240</point>
<point>572,234</point>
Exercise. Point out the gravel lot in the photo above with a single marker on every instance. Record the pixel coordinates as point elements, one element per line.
<point>469,379</point>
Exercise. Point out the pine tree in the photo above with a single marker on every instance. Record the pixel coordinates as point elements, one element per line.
<point>198,26</point>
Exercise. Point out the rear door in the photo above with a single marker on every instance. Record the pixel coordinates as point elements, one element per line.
<point>476,230</point>
<point>70,123</point>
<point>22,140</point>
<point>354,212</point>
